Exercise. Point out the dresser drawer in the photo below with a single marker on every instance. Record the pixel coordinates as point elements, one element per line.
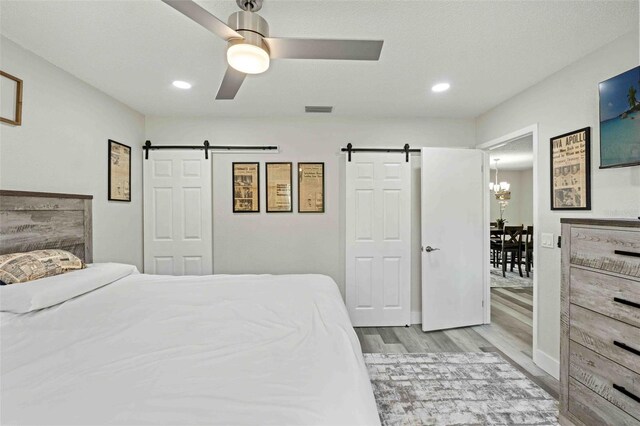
<point>613,339</point>
<point>611,381</point>
<point>606,249</point>
<point>612,296</point>
<point>593,410</point>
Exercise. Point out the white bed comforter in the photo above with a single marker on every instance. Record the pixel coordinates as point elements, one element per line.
<point>227,350</point>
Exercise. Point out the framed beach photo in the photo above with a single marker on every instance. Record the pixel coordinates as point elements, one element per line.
<point>571,170</point>
<point>279,188</point>
<point>246,187</point>
<point>119,172</point>
<point>620,120</point>
<point>310,187</point>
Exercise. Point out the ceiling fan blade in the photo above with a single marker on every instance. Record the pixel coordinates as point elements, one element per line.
<point>306,48</point>
<point>200,15</point>
<point>230,84</point>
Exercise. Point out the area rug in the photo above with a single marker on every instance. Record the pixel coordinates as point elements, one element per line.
<point>511,279</point>
<point>462,388</point>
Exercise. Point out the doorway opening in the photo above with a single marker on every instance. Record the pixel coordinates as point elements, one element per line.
<point>512,290</point>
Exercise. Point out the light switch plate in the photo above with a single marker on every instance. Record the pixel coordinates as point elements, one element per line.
<point>546,240</point>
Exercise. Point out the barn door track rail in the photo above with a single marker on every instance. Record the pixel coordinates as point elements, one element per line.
<point>406,149</point>
<point>206,147</point>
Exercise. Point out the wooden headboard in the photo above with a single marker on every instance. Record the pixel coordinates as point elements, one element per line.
<point>44,220</point>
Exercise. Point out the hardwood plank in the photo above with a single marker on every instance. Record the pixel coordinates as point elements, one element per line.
<point>509,303</point>
<point>524,301</point>
<point>462,339</point>
<point>514,314</point>
<point>412,341</point>
<point>387,334</point>
<point>443,342</point>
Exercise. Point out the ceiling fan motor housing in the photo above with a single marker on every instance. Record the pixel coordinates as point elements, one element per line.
<point>253,27</point>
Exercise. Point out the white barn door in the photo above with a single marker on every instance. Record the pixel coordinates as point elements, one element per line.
<point>177,213</point>
<point>455,257</point>
<point>378,238</point>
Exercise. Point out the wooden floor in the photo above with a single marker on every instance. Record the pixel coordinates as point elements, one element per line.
<point>508,334</point>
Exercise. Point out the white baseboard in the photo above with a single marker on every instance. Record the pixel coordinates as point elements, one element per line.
<point>547,363</point>
<point>416,317</point>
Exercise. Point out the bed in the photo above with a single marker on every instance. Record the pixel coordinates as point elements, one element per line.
<point>108,345</point>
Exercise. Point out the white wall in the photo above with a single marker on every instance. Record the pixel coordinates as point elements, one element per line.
<point>292,242</point>
<point>566,101</point>
<point>520,208</point>
<point>62,147</point>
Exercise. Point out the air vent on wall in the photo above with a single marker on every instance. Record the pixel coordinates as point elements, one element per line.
<point>320,109</point>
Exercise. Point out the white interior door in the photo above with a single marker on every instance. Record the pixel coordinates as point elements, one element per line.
<point>455,251</point>
<point>177,213</point>
<point>378,237</point>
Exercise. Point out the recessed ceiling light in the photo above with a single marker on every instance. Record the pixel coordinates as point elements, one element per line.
<point>182,84</point>
<point>441,87</point>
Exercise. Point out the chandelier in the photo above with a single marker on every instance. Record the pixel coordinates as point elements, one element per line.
<point>500,190</point>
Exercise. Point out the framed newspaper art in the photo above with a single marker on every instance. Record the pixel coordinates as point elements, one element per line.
<point>11,95</point>
<point>310,187</point>
<point>279,179</point>
<point>246,187</point>
<point>119,172</point>
<point>571,170</point>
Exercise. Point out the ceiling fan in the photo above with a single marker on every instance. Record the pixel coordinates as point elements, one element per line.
<point>250,48</point>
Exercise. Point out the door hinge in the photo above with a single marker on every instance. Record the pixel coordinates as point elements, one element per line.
<point>483,303</point>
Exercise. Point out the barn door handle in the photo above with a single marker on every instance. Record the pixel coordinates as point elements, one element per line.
<point>429,249</point>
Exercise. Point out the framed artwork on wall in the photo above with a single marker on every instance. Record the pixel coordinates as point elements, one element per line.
<point>11,102</point>
<point>119,172</point>
<point>279,185</point>
<point>620,120</point>
<point>571,170</point>
<point>246,187</point>
<point>310,187</point>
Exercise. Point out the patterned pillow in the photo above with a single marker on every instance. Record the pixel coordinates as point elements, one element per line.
<point>23,267</point>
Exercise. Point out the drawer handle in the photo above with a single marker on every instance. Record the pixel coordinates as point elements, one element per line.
<point>626,302</point>
<point>626,253</point>
<point>626,347</point>
<point>623,391</point>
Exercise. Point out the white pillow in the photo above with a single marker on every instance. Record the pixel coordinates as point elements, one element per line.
<point>45,292</point>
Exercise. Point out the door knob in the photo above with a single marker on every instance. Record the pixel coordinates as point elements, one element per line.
<point>429,249</point>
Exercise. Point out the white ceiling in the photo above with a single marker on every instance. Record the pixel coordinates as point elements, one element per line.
<point>515,155</point>
<point>488,50</point>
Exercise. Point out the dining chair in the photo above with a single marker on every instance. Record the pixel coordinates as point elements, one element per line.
<point>512,245</point>
<point>528,251</point>
<point>495,245</point>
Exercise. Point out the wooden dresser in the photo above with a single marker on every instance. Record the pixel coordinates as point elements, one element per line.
<point>600,322</point>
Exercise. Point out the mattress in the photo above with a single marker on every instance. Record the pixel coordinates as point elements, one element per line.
<point>222,349</point>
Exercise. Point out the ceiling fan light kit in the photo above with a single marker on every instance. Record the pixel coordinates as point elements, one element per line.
<point>251,54</point>
<point>250,49</point>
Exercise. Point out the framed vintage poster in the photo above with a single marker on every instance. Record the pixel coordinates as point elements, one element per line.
<point>620,120</point>
<point>279,178</point>
<point>119,172</point>
<point>246,187</point>
<point>571,170</point>
<point>310,187</point>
